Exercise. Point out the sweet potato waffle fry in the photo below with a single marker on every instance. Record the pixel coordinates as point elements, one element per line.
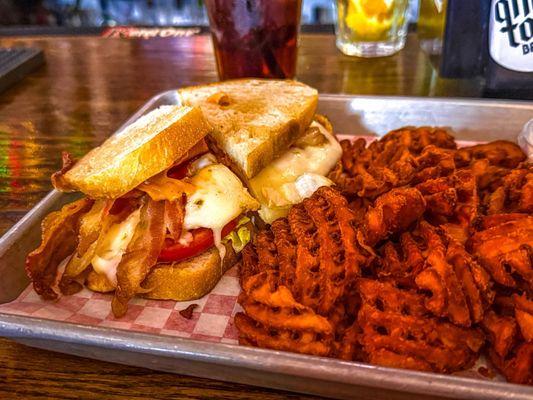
<point>452,284</point>
<point>279,321</point>
<point>397,331</point>
<point>420,256</point>
<point>314,255</point>
<point>510,331</point>
<point>515,193</point>
<point>393,161</point>
<point>452,202</point>
<point>504,248</point>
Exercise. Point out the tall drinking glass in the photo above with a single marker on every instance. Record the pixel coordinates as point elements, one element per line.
<point>255,38</point>
<point>431,22</point>
<point>371,28</point>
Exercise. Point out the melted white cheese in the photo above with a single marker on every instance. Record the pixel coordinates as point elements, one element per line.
<point>113,245</point>
<point>219,198</point>
<point>290,178</point>
<point>303,187</point>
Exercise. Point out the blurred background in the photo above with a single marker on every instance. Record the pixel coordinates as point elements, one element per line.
<point>101,13</point>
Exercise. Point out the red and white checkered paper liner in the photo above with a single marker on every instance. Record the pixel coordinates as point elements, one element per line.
<point>212,320</point>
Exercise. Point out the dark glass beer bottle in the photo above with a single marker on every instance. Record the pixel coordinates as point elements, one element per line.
<point>462,45</point>
<point>509,55</point>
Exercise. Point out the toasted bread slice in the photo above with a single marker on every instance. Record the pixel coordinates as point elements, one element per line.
<point>189,279</point>
<point>254,121</point>
<point>180,281</point>
<point>148,146</point>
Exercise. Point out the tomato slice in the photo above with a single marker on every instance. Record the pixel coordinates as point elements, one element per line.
<point>202,239</point>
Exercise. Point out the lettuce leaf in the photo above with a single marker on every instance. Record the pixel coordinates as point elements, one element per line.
<point>240,236</point>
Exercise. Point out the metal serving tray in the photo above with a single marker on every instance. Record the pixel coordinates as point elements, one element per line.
<point>477,120</point>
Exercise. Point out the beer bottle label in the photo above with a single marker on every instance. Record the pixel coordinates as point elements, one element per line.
<point>511,34</point>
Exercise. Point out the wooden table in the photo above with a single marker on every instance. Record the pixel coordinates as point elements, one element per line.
<point>88,87</point>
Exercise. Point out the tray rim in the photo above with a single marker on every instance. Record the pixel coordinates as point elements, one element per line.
<point>232,355</point>
<point>528,104</point>
<point>257,359</point>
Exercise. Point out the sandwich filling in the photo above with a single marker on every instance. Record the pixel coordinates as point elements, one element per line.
<point>212,211</point>
<point>219,198</point>
<point>114,244</point>
<point>296,174</point>
<point>175,215</point>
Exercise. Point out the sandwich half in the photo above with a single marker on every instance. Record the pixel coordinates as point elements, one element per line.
<point>160,216</point>
<point>267,132</point>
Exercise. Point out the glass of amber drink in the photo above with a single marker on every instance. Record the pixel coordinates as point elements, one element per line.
<point>431,22</point>
<point>371,28</point>
<point>255,38</point>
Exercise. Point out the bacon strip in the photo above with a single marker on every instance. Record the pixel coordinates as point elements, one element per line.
<point>92,227</point>
<point>393,212</point>
<point>59,240</point>
<point>92,222</point>
<point>174,215</point>
<point>161,187</point>
<point>141,255</point>
<point>58,179</point>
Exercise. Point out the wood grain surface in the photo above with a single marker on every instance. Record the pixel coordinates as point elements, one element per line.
<point>28,373</point>
<point>87,88</point>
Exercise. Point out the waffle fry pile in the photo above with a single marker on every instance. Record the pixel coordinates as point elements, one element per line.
<point>419,257</point>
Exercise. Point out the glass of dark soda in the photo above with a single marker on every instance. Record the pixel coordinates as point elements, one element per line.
<point>255,38</point>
